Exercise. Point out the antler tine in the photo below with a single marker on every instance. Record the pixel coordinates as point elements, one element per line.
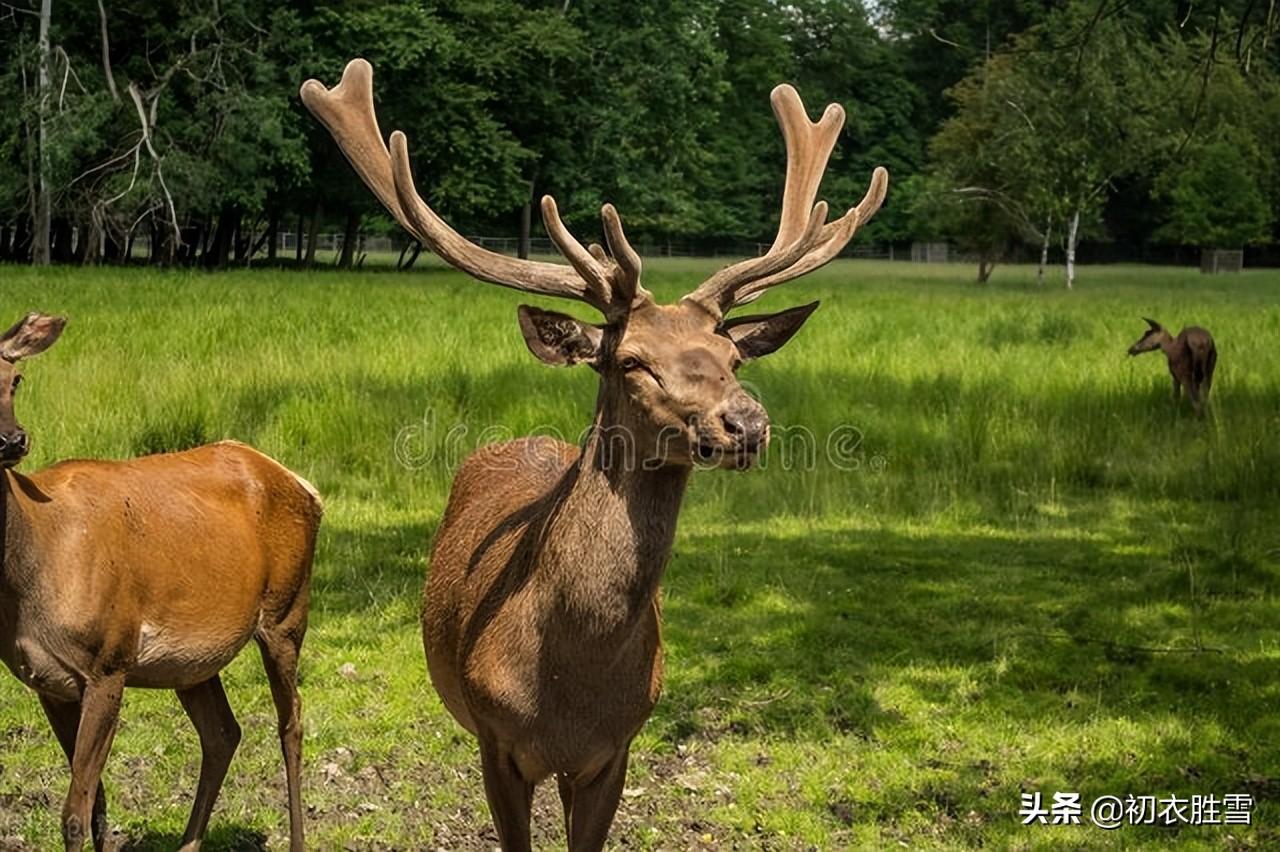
<point>624,256</point>
<point>716,294</point>
<point>809,145</point>
<point>347,111</point>
<point>795,250</point>
<point>532,276</point>
<point>588,265</point>
<point>835,236</point>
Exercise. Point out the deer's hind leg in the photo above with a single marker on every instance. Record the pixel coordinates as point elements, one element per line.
<point>206,705</point>
<point>280,644</point>
<point>1210,363</point>
<point>64,718</point>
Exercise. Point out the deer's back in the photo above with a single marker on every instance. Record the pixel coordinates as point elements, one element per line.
<point>173,558</point>
<point>1196,339</point>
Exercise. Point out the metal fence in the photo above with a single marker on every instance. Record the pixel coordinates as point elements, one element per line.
<point>332,243</point>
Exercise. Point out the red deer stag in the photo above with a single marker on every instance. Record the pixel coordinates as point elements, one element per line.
<point>1192,358</point>
<point>152,573</point>
<point>541,608</point>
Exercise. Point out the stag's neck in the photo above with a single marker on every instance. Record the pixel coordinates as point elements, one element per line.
<point>611,534</point>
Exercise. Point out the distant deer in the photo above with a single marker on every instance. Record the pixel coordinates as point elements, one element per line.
<point>541,609</point>
<point>1192,358</point>
<point>151,573</point>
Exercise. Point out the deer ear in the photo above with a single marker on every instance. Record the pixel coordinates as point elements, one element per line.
<point>559,339</point>
<point>760,335</point>
<point>1155,326</point>
<point>31,335</point>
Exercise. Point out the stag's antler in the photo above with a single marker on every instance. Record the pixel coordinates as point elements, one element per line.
<point>607,280</point>
<point>803,242</point>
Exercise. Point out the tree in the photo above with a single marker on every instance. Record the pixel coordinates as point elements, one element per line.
<point>1215,200</point>
<point>1218,184</point>
<point>974,221</point>
<point>1043,132</point>
<point>40,243</point>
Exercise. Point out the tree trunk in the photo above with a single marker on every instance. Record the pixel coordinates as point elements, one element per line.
<point>1073,236</point>
<point>88,244</point>
<point>985,268</point>
<point>986,265</point>
<point>273,236</point>
<point>349,234</point>
<point>313,235</point>
<point>6,234</point>
<point>297,240</point>
<point>219,250</point>
<point>61,238</point>
<point>191,247</point>
<point>154,248</point>
<point>22,239</point>
<point>41,245</point>
<point>526,224</point>
<point>1044,251</point>
<point>413,248</point>
<point>243,242</point>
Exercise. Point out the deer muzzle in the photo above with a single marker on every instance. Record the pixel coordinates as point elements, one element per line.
<point>734,436</point>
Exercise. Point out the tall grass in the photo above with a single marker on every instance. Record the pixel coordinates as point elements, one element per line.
<point>986,553</point>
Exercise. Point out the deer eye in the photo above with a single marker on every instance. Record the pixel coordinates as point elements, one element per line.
<point>17,380</point>
<point>628,364</point>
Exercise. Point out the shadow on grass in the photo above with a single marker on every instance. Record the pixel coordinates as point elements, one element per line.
<point>794,636</point>
<point>221,838</point>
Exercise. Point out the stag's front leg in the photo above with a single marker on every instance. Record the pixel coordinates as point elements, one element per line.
<point>591,804</point>
<point>64,718</point>
<point>510,797</point>
<point>99,715</point>
<point>1177,390</point>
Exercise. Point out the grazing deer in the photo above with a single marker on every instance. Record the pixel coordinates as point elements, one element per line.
<point>1192,358</point>
<point>541,608</point>
<point>151,573</point>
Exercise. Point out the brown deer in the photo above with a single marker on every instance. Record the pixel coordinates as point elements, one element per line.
<point>1192,357</point>
<point>152,573</point>
<point>541,608</point>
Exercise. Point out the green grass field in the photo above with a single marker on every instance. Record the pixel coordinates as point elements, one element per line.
<point>1008,563</point>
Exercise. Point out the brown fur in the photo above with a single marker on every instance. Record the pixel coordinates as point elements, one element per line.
<point>1192,358</point>
<point>154,573</point>
<point>541,615</point>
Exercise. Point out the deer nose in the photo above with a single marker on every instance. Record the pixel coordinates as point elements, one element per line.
<point>747,425</point>
<point>13,445</point>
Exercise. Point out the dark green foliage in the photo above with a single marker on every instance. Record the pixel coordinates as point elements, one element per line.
<point>658,106</point>
<point>1216,201</point>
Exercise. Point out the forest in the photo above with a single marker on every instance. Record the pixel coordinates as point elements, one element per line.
<point>172,131</point>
